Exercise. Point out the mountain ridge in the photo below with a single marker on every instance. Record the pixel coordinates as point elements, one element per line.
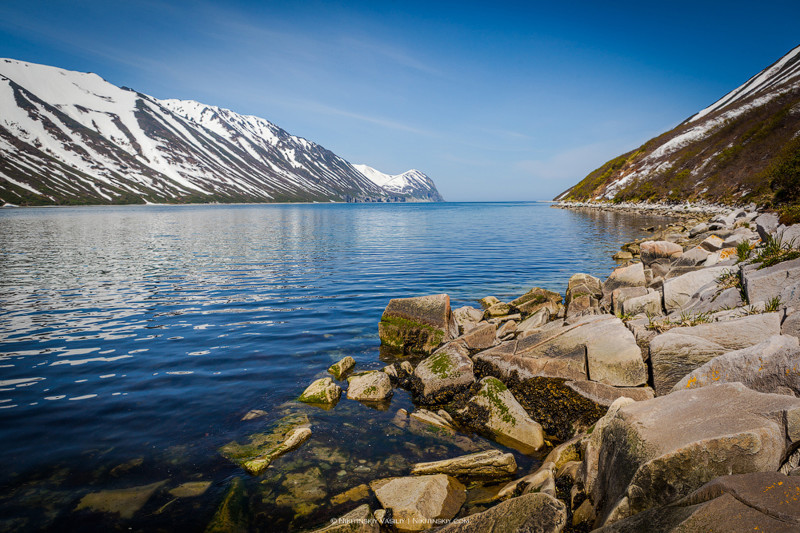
<point>73,138</point>
<point>742,148</point>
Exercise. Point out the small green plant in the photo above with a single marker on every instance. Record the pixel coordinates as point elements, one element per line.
<point>685,320</point>
<point>624,316</point>
<point>775,250</point>
<point>729,279</point>
<point>743,250</point>
<point>773,304</point>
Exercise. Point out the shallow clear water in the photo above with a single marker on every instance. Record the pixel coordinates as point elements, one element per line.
<point>134,339</point>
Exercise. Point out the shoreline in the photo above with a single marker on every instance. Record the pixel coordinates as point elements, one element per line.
<point>597,385</point>
<point>674,210</point>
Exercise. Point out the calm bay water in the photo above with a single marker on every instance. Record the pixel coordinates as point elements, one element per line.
<point>134,339</point>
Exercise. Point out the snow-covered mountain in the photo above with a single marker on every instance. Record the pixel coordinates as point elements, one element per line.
<point>731,151</point>
<point>73,138</point>
<point>411,183</point>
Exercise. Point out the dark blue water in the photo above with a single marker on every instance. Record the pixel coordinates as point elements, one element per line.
<point>138,337</point>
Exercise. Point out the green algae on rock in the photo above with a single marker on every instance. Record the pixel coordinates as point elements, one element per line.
<point>263,448</point>
<point>342,367</point>
<point>231,515</point>
<point>417,325</point>
<point>322,392</point>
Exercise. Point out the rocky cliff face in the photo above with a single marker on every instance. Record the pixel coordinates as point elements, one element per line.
<point>744,147</point>
<point>73,138</point>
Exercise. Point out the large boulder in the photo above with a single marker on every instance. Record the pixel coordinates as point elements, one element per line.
<point>761,285</point>
<point>759,501</point>
<point>680,350</point>
<point>693,257</point>
<point>599,348</point>
<point>418,324</point>
<point>679,291</point>
<point>539,513</point>
<point>481,465</point>
<point>654,250</point>
<point>418,502</point>
<point>770,366</point>
<point>443,374</point>
<point>620,295</point>
<point>657,451</point>
<point>495,411</point>
<point>373,386</point>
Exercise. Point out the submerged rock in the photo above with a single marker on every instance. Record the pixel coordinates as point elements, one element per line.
<point>373,386</point>
<point>482,465</point>
<point>263,448</point>
<point>656,451</point>
<point>494,410</point>
<point>538,513</point>
<point>321,391</point>
<point>124,502</point>
<point>342,367</point>
<point>231,515</point>
<point>190,489</point>
<point>418,324</point>
<point>418,502</point>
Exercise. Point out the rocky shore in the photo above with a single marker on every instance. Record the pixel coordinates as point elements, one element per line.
<point>663,398</point>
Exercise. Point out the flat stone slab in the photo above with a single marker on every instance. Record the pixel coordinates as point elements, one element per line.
<point>482,465</point>
<point>656,451</point>
<point>770,366</point>
<point>605,395</point>
<point>599,348</point>
<point>418,324</point>
<point>679,351</point>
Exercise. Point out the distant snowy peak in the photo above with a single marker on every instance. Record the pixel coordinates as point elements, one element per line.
<point>73,138</point>
<point>412,183</point>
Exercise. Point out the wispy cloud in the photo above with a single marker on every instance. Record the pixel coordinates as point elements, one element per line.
<point>318,107</point>
<point>393,53</point>
<point>572,164</point>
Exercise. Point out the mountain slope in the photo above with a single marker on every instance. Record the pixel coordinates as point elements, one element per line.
<point>741,148</point>
<point>70,137</point>
<point>411,183</point>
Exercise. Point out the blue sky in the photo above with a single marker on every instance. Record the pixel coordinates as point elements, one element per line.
<point>495,101</point>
